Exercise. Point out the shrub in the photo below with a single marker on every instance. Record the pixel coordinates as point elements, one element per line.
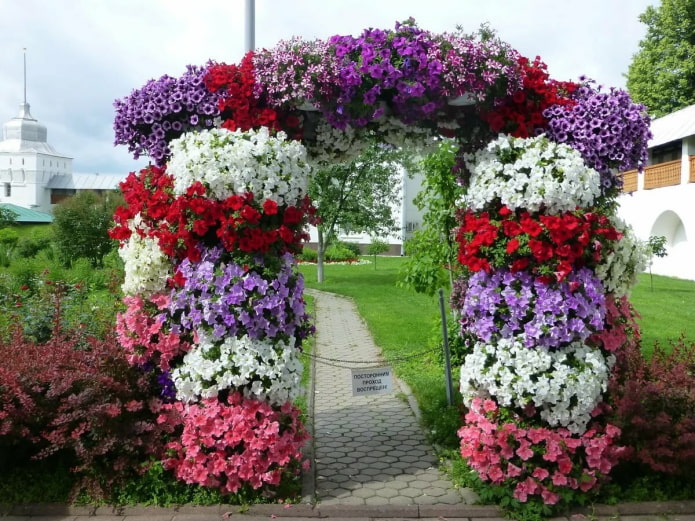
<point>352,246</point>
<point>81,224</point>
<point>308,255</point>
<point>78,397</point>
<point>338,253</point>
<point>654,406</point>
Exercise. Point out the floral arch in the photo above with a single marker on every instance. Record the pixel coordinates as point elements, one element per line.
<point>214,307</point>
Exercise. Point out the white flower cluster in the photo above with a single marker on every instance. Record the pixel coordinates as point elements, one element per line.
<point>228,163</point>
<point>619,267</point>
<point>564,384</point>
<point>531,173</point>
<point>261,369</point>
<point>415,139</point>
<point>334,145</point>
<point>147,268</point>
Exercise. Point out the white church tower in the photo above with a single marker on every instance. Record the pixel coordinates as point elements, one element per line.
<point>27,161</point>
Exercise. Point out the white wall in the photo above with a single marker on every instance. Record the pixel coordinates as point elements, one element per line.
<point>668,211</point>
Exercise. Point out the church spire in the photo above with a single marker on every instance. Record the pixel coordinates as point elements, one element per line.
<point>25,74</point>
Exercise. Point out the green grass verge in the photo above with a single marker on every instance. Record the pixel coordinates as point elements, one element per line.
<point>666,310</point>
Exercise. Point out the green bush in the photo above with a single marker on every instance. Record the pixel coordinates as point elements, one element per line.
<point>309,255</point>
<point>352,246</point>
<point>338,252</point>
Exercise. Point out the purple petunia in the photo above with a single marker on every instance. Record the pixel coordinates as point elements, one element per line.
<point>149,118</point>
<point>225,299</point>
<point>505,305</point>
<point>608,129</point>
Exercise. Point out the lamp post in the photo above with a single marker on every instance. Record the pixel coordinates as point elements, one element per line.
<point>250,25</point>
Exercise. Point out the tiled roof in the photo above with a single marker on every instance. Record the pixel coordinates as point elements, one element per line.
<point>27,215</point>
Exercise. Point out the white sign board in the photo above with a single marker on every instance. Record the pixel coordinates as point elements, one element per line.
<point>375,380</point>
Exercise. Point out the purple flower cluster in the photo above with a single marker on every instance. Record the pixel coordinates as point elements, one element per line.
<point>506,305</point>
<point>396,67</point>
<point>225,299</point>
<point>487,70</point>
<point>607,128</point>
<point>295,71</point>
<point>149,118</point>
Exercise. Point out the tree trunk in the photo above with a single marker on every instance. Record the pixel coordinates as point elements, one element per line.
<point>320,256</point>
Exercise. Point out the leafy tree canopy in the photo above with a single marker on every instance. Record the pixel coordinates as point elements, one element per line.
<point>662,72</point>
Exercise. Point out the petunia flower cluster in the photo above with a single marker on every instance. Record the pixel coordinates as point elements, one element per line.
<point>608,129</point>
<point>150,117</point>
<point>531,173</point>
<point>266,370</point>
<point>235,163</point>
<point>537,462</point>
<point>221,298</point>
<point>225,444</point>
<point>549,246</point>
<point>564,385</point>
<point>504,305</point>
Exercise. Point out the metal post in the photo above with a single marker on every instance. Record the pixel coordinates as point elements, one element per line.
<point>250,25</point>
<point>447,354</point>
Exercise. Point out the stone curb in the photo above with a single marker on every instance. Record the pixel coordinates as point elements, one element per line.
<point>677,510</point>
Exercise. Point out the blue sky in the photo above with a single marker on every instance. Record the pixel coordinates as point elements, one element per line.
<point>84,54</point>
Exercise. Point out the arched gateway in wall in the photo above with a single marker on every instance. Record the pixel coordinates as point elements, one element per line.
<point>214,305</point>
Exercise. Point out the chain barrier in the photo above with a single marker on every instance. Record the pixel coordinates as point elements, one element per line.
<point>337,362</point>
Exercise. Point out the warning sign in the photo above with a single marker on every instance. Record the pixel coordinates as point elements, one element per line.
<point>375,380</point>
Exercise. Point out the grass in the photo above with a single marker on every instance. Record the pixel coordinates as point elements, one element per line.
<point>403,323</point>
<point>666,311</point>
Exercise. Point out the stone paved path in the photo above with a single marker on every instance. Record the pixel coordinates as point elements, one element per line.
<point>369,450</point>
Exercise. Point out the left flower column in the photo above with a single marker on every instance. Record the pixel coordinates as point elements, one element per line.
<point>214,304</point>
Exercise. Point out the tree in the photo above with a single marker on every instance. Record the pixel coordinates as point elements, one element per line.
<point>357,196</point>
<point>433,251</point>
<point>662,73</point>
<point>81,225</point>
<point>656,247</point>
<point>377,246</point>
<point>7,217</point>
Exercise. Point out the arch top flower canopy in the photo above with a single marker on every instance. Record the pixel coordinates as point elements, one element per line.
<point>405,86</point>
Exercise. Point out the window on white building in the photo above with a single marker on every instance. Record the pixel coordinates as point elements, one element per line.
<point>8,190</point>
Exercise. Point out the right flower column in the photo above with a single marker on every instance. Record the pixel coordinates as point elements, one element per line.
<point>548,266</point>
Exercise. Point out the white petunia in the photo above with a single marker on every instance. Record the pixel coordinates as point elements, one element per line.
<point>228,163</point>
<point>564,384</point>
<point>262,369</point>
<point>533,174</point>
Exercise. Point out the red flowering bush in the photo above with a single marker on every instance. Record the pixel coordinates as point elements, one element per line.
<point>550,246</point>
<point>654,405</point>
<point>226,444</point>
<point>522,113</point>
<point>539,463</point>
<point>81,398</point>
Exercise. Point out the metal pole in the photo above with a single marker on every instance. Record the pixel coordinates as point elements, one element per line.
<point>250,25</point>
<point>447,354</point>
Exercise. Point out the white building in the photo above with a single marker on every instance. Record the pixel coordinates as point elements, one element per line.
<point>661,200</point>
<point>33,174</point>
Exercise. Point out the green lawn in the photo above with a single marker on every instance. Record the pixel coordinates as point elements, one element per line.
<point>667,311</point>
<point>403,323</point>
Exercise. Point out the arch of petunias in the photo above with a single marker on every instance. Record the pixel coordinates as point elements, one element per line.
<point>214,306</point>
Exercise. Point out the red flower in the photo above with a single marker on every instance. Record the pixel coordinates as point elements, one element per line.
<point>270,207</point>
